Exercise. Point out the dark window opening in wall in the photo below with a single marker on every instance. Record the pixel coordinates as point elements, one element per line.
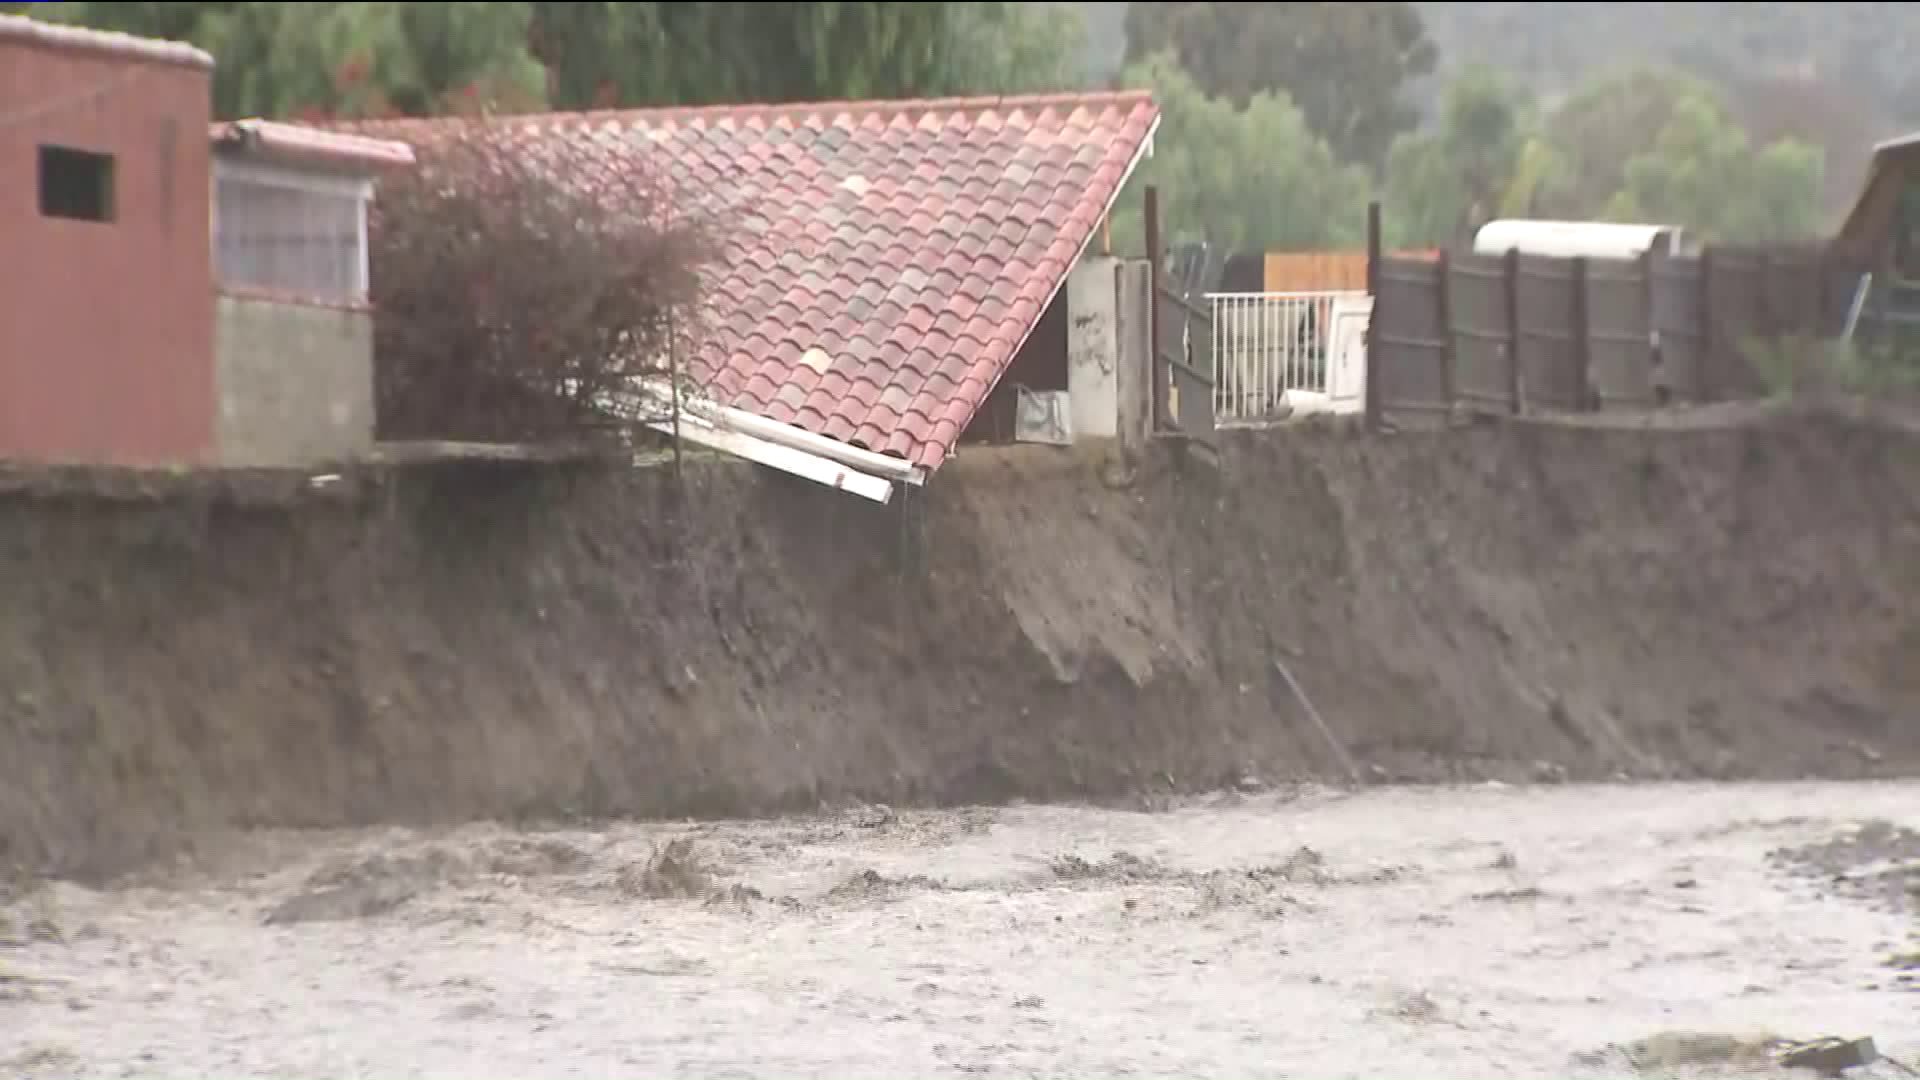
<point>76,184</point>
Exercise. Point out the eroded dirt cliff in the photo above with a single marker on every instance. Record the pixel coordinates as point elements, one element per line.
<point>491,641</point>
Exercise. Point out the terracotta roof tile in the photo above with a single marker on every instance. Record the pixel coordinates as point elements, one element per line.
<point>914,244</point>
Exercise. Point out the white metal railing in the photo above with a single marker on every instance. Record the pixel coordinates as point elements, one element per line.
<point>1273,353</point>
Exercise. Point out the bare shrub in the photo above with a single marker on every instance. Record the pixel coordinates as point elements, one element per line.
<point>519,278</point>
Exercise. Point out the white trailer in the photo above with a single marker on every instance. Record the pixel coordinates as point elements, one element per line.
<point>1571,239</point>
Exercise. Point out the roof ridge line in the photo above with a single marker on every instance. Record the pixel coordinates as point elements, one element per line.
<point>64,36</point>
<point>790,109</point>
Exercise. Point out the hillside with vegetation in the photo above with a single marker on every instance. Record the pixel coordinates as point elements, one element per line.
<point>1861,49</point>
<point>1837,75</point>
<point>1747,122</point>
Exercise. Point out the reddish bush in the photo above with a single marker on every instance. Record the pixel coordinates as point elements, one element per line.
<point>517,282</point>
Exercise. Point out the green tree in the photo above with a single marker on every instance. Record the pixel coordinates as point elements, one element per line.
<point>1253,178</point>
<point>704,53</point>
<point>359,58</point>
<point>344,58</point>
<point>1603,125</point>
<point>1702,172</point>
<point>1480,161</point>
<point>1345,66</point>
<point>1655,146</point>
<point>1016,48</point>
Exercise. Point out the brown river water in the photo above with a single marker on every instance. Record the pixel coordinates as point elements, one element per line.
<point>1460,932</point>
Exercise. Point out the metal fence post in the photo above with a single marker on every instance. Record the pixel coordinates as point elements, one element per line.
<point>1373,321</point>
<point>1161,375</point>
<point>1654,360</point>
<point>1513,328</point>
<point>1582,340</point>
<point>1443,300</point>
<point>1709,340</point>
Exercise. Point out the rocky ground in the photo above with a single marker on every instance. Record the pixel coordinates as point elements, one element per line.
<point>1486,931</point>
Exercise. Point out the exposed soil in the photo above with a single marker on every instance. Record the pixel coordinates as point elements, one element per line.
<point>545,642</point>
<point>1586,932</point>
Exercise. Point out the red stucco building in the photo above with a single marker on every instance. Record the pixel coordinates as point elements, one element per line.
<point>106,311</point>
<point>174,292</point>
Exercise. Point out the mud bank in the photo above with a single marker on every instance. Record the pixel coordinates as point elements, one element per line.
<point>498,641</point>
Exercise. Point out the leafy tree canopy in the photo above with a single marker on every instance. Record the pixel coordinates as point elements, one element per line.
<point>1345,66</point>
<point>1244,179</point>
<point>364,58</point>
<point>1479,162</point>
<point>1639,145</point>
<point>1702,171</point>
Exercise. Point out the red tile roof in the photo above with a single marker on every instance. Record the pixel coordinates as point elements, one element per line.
<point>884,260</point>
<point>298,145</point>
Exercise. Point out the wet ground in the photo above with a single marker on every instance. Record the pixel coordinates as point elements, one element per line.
<point>1442,933</point>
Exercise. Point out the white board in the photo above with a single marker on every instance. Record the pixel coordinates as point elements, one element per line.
<point>1347,353</point>
<point>1043,416</point>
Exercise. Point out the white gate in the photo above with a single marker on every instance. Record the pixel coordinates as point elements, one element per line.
<point>1274,354</point>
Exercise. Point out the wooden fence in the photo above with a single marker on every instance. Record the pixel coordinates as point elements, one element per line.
<point>1320,271</point>
<point>1525,333</point>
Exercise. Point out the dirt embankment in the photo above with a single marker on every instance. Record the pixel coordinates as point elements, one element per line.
<point>485,641</point>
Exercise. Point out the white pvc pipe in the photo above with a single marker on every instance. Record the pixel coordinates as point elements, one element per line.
<point>801,439</point>
<point>833,474</point>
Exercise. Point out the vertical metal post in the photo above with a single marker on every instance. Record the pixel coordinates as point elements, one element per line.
<point>1709,340</point>
<point>1443,301</point>
<point>1822,295</point>
<point>673,376</point>
<point>1653,356</point>
<point>1160,373</point>
<point>1373,322</point>
<point>1768,321</point>
<point>1582,340</point>
<point>1512,284</point>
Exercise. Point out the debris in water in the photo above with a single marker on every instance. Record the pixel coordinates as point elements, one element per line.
<point>341,903</point>
<point>366,888</point>
<point>1510,896</point>
<point>1669,1051</point>
<point>1830,1056</point>
<point>1122,866</point>
<point>672,872</point>
<point>873,885</point>
<point>35,1058</point>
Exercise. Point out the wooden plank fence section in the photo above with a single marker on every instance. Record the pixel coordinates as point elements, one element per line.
<point>1185,354</point>
<point>1548,356</point>
<point>1315,271</point>
<point>1736,310</point>
<point>1324,271</point>
<point>1482,324</point>
<point>1679,329</point>
<point>1413,345</point>
<point>1514,333</point>
<point>1620,334</point>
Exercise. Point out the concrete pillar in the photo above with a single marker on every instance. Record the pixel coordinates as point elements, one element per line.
<point>1093,360</point>
<point>1133,332</point>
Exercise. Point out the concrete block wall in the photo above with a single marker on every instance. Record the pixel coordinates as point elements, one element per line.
<point>295,381</point>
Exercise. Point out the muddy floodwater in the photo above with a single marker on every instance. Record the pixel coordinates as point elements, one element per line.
<point>1472,932</point>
